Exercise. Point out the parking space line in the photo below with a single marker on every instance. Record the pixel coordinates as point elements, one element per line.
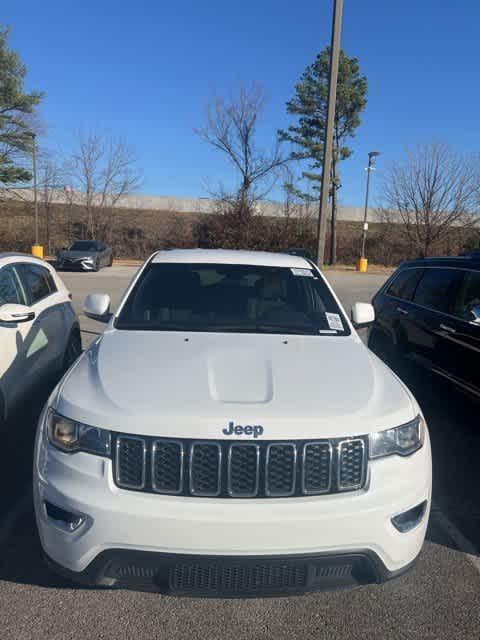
<point>8,522</point>
<point>472,554</point>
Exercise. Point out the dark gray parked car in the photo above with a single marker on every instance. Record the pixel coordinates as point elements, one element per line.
<point>85,255</point>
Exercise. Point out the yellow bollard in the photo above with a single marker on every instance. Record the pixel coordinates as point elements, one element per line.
<point>362,265</point>
<point>37,251</point>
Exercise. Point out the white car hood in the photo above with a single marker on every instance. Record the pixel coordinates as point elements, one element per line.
<point>193,384</point>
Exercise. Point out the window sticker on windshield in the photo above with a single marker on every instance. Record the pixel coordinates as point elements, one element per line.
<point>329,331</point>
<point>334,321</point>
<point>306,273</point>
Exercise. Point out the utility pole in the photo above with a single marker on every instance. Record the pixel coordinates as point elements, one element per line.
<point>327,150</point>
<point>371,166</point>
<point>35,189</point>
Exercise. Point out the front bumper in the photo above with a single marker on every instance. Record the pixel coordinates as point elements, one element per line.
<point>338,539</point>
<point>229,576</point>
<point>76,265</point>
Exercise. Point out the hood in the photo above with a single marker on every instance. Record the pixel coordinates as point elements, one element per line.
<point>193,385</point>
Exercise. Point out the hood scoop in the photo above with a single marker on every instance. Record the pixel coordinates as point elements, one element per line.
<point>242,376</point>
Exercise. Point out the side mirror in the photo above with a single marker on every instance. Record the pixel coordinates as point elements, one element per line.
<point>363,314</point>
<point>475,314</point>
<point>15,313</point>
<point>97,307</point>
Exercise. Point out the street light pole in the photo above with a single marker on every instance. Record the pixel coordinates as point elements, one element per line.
<point>328,142</point>
<point>371,163</point>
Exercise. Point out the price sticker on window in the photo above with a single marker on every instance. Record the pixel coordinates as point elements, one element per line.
<point>305,273</point>
<point>334,321</point>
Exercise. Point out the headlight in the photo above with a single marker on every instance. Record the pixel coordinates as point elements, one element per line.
<point>402,441</point>
<point>71,436</point>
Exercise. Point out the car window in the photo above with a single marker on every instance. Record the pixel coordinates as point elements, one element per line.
<point>84,245</point>
<point>468,295</point>
<point>51,282</point>
<point>404,284</point>
<point>232,298</point>
<point>436,289</point>
<point>36,281</point>
<point>11,291</point>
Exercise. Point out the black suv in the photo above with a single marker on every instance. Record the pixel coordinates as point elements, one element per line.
<point>429,312</point>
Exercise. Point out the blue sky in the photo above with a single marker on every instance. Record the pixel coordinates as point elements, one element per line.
<point>145,71</point>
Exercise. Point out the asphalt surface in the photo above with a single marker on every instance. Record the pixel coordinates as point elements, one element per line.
<point>438,598</point>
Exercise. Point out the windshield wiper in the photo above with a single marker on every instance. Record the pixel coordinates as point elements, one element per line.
<point>286,328</point>
<point>260,327</point>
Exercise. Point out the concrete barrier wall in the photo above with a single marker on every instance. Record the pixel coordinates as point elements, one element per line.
<point>194,205</point>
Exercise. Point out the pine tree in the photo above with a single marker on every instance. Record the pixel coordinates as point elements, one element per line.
<point>310,107</point>
<point>16,114</point>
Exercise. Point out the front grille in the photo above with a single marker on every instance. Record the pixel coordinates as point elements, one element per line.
<point>222,469</point>
<point>237,577</point>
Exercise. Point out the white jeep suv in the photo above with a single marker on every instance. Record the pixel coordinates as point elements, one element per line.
<point>230,434</point>
<point>39,331</point>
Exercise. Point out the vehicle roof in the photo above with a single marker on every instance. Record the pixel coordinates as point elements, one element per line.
<point>13,254</point>
<point>9,256</point>
<point>460,262</point>
<point>227,256</point>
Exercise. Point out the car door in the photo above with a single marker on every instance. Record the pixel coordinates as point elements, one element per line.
<point>461,334</point>
<point>13,339</point>
<point>105,254</point>
<point>47,341</point>
<point>394,305</point>
<point>428,310</point>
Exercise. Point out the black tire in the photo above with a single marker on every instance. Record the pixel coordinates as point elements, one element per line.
<point>97,265</point>
<point>111,261</point>
<point>72,350</point>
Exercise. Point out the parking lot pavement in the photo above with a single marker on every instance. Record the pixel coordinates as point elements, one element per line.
<point>438,598</point>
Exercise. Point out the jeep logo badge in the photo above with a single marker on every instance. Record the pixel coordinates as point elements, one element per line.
<point>247,430</point>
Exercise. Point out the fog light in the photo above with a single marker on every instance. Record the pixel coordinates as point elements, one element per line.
<point>408,520</point>
<point>63,519</point>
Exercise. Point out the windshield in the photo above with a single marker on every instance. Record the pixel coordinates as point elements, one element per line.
<point>84,245</point>
<point>231,298</point>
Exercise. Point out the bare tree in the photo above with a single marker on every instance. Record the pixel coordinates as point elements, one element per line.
<point>103,171</point>
<point>231,127</point>
<point>50,183</point>
<point>434,190</point>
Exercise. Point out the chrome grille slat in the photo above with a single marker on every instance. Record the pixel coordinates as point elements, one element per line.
<point>351,464</point>
<point>243,470</point>
<point>280,469</point>
<point>130,453</point>
<point>240,469</point>
<point>317,462</point>
<point>205,469</point>
<point>167,466</point>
